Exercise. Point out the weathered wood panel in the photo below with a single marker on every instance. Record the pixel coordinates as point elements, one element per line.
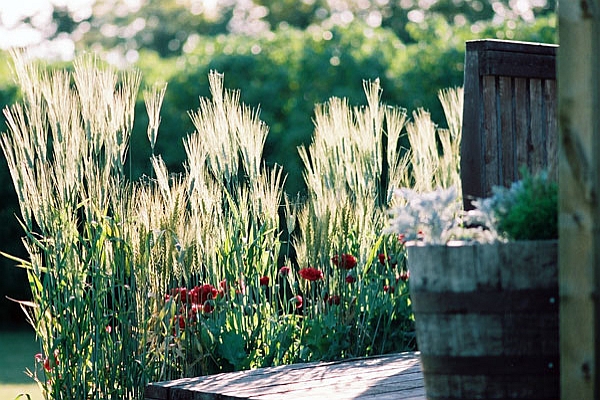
<point>579,217</point>
<point>509,115</point>
<point>396,376</point>
<point>487,319</point>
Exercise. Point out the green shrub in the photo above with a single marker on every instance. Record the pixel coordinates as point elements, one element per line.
<point>528,210</point>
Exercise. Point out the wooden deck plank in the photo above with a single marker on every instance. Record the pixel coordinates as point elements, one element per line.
<point>396,376</point>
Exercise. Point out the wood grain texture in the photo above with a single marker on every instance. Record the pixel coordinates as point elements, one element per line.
<point>487,319</point>
<point>579,216</point>
<point>509,115</point>
<point>471,147</point>
<point>396,376</point>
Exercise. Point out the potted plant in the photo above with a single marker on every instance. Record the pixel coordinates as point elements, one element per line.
<point>484,290</point>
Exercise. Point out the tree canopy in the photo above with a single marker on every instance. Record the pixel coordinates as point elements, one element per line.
<point>174,27</point>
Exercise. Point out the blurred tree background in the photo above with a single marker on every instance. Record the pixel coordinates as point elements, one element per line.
<point>284,56</point>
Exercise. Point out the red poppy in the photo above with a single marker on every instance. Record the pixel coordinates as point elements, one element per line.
<point>333,299</point>
<point>284,271</point>
<point>199,294</point>
<point>264,281</point>
<point>182,292</point>
<point>345,261</point>
<point>311,274</point>
<point>382,258</point>
<point>350,278</point>
<point>388,289</point>
<point>208,308</point>
<point>47,366</point>
<point>194,312</point>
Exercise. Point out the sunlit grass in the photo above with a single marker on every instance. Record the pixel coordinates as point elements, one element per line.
<point>113,264</point>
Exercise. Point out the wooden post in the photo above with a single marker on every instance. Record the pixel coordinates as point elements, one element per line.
<point>579,180</point>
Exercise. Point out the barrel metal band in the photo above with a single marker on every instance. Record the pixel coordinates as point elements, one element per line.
<point>490,365</point>
<point>488,302</point>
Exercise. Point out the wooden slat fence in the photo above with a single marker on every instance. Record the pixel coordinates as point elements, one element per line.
<point>509,114</point>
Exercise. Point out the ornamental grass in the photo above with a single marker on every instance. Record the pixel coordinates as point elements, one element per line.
<point>214,269</point>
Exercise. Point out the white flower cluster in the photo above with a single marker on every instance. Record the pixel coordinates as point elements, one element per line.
<point>487,210</point>
<point>429,217</point>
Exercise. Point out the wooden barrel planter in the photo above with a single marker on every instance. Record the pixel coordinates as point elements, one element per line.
<point>487,319</point>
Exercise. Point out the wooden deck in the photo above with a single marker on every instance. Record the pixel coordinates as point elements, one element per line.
<point>390,377</point>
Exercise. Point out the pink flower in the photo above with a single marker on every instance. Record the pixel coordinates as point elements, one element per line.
<point>311,274</point>
<point>298,300</point>
<point>264,281</point>
<point>284,271</point>
<point>345,261</point>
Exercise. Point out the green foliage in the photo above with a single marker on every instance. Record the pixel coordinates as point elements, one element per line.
<point>529,209</point>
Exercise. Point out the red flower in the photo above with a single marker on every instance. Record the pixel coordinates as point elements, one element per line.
<point>199,294</point>
<point>346,261</point>
<point>47,366</point>
<point>350,278</point>
<point>404,275</point>
<point>333,300</point>
<point>382,258</point>
<point>182,292</point>
<point>298,300</point>
<point>181,321</point>
<point>48,362</point>
<point>264,281</point>
<point>388,289</point>
<point>194,312</point>
<point>284,271</point>
<point>208,308</point>
<point>223,284</point>
<point>311,274</point>
<point>108,329</point>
